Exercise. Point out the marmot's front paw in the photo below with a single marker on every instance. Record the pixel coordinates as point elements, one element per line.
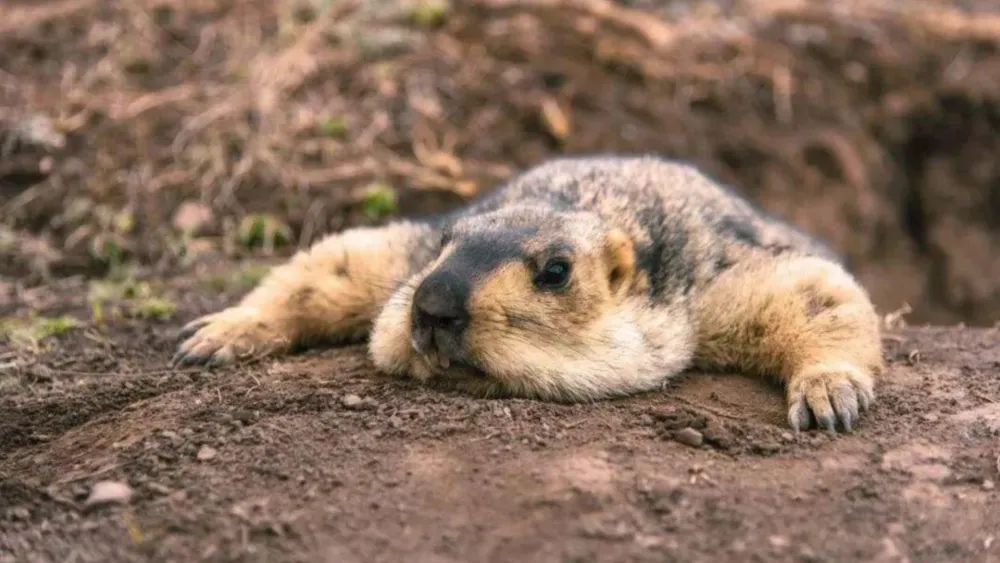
<point>828,393</point>
<point>232,334</point>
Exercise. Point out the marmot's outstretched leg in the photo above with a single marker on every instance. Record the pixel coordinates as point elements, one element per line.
<point>332,291</point>
<point>804,320</point>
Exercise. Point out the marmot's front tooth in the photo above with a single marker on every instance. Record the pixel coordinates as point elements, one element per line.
<point>445,362</point>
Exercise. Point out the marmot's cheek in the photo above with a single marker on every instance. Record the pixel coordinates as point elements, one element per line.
<point>390,343</point>
<point>497,354</point>
<point>480,343</point>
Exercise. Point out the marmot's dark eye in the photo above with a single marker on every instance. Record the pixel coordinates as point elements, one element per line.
<point>554,275</point>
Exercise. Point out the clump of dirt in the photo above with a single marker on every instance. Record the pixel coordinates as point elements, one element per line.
<point>873,126</point>
<point>106,455</point>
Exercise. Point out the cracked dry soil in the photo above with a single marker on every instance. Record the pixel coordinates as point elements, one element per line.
<point>315,458</point>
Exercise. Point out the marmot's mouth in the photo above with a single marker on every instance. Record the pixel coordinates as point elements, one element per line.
<point>457,368</point>
<point>448,365</point>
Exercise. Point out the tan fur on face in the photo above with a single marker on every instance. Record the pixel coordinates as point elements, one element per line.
<point>619,261</point>
<point>582,342</point>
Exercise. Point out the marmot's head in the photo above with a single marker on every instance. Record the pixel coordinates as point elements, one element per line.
<point>523,301</point>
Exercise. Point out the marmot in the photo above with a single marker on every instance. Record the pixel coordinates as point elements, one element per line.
<point>579,279</point>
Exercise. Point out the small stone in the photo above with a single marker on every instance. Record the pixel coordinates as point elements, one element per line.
<point>717,436</point>
<point>929,417</point>
<point>780,542</point>
<point>764,448</point>
<point>206,453</point>
<point>807,555</point>
<point>192,217</point>
<point>20,513</point>
<point>243,416</point>
<point>46,164</point>
<point>395,421</point>
<point>787,436</point>
<point>988,485</point>
<point>158,488</point>
<point>352,401</point>
<point>109,492</point>
<point>169,434</point>
<point>889,551</point>
<point>689,436</point>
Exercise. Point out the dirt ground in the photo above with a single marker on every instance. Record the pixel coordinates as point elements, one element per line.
<point>315,458</point>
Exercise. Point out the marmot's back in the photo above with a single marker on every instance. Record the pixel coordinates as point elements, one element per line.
<point>687,227</point>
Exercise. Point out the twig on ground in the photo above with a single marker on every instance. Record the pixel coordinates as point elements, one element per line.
<point>709,409</point>
<point>655,32</point>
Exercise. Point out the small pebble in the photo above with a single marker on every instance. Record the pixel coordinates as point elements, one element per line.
<point>779,541</point>
<point>352,401</point>
<point>787,436</point>
<point>206,453</point>
<point>108,492</point>
<point>988,485</point>
<point>20,513</point>
<point>158,488</point>
<point>243,416</point>
<point>689,436</point>
<point>765,448</point>
<point>192,216</point>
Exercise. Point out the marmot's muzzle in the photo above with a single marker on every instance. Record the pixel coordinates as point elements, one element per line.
<point>439,313</point>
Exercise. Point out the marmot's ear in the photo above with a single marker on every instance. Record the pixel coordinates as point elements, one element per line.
<point>619,253</point>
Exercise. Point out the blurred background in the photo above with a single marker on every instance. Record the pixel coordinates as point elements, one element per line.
<point>164,134</point>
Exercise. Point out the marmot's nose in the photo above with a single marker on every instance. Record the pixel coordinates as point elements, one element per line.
<point>439,303</point>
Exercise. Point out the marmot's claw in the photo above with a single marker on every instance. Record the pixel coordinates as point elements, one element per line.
<point>831,399</point>
<point>182,359</point>
<point>219,339</point>
<point>188,330</point>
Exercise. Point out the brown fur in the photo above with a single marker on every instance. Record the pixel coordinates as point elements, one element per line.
<point>668,271</point>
